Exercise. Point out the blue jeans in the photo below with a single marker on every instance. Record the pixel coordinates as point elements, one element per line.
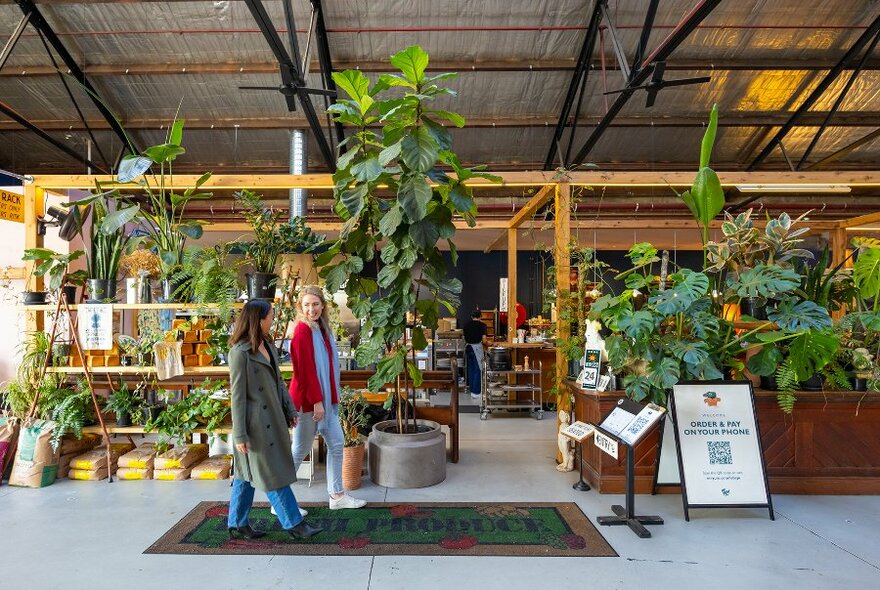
<point>304,436</point>
<point>474,379</point>
<point>282,500</point>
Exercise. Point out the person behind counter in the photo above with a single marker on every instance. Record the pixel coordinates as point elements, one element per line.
<point>262,412</point>
<point>474,337</point>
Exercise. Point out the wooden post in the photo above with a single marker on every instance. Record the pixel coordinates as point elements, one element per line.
<point>33,204</point>
<point>511,284</point>
<point>562,258</point>
<point>839,243</point>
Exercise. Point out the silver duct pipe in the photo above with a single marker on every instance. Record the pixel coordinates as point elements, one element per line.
<point>299,160</point>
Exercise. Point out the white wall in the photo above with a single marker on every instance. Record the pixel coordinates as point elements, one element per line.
<point>12,319</point>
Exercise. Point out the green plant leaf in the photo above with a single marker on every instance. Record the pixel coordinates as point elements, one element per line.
<point>411,62</point>
<point>413,195</point>
<point>453,118</point>
<point>335,277</point>
<point>116,220</point>
<point>424,233</point>
<point>353,198</point>
<point>191,229</point>
<point>764,281</point>
<point>415,374</point>
<point>387,155</point>
<point>692,353</point>
<point>176,134</point>
<point>683,294</point>
<point>388,275</point>
<point>866,273</point>
<point>130,168</point>
<point>462,198</point>
<point>367,170</point>
<point>408,257</point>
<point>440,134</point>
<point>810,352</point>
<point>637,387</point>
<point>793,315</point>
<point>709,137</point>
<point>766,361</point>
<point>166,152</point>
<point>419,150</point>
<point>636,324</point>
<point>354,83</point>
<point>419,341</point>
<point>666,372</point>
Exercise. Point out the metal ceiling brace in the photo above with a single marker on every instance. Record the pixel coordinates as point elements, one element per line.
<point>291,76</point>
<point>616,45</point>
<point>39,23</point>
<point>840,98</point>
<point>15,116</point>
<point>845,150</point>
<point>640,75</point>
<point>646,33</point>
<point>829,79</point>
<point>580,72</point>
<point>73,100</point>
<point>10,44</point>
<point>326,62</point>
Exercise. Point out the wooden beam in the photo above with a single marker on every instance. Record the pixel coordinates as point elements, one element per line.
<point>511,284</point>
<point>862,220</point>
<point>541,198</point>
<point>845,119</point>
<point>334,226</point>
<point>13,273</point>
<point>33,198</point>
<point>592,178</point>
<point>562,260</point>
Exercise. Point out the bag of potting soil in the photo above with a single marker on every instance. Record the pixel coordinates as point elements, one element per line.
<point>97,457</point>
<point>133,473</point>
<point>180,457</point>
<point>171,474</point>
<point>70,444</point>
<point>8,433</point>
<point>217,467</point>
<point>88,474</point>
<point>36,463</point>
<point>64,463</point>
<point>139,458</point>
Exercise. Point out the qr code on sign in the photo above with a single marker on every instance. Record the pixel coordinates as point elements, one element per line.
<point>719,453</point>
<point>637,425</point>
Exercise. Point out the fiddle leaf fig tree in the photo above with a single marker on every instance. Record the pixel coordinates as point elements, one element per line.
<point>397,204</point>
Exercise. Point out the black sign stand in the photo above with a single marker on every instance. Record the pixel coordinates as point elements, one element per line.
<point>580,485</point>
<point>627,515</point>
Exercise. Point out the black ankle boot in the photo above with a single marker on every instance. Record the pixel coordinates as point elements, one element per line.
<point>304,530</point>
<point>245,532</point>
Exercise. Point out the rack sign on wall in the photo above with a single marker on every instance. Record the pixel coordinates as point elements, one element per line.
<point>719,446</point>
<point>96,326</point>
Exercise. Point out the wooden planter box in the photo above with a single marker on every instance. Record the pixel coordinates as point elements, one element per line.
<point>823,447</point>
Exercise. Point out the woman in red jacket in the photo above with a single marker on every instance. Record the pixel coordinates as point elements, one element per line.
<point>315,391</point>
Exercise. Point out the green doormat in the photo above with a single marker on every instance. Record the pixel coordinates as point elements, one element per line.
<point>449,528</point>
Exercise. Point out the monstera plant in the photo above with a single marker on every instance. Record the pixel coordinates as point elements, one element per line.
<point>397,189</point>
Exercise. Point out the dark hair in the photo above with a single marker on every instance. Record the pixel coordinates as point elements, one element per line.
<point>476,313</point>
<point>247,327</point>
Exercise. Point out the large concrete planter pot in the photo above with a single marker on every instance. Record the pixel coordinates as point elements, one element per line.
<point>407,460</point>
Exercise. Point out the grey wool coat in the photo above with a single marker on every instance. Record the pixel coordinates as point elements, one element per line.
<point>261,408</point>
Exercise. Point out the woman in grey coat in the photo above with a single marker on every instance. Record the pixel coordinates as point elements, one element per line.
<point>261,415</point>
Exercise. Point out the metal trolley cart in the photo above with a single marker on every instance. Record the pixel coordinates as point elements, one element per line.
<point>504,390</point>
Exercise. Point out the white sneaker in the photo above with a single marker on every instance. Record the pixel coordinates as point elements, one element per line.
<point>303,512</point>
<point>346,501</point>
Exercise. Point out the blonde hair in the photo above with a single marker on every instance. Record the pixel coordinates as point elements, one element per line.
<point>318,292</point>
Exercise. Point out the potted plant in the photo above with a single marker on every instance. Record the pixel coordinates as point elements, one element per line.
<point>352,418</point>
<point>398,142</point>
<point>201,408</point>
<point>56,267</point>
<point>271,239</point>
<point>209,276</point>
<point>863,368</point>
<point>127,405</point>
<point>75,410</point>
<point>142,267</point>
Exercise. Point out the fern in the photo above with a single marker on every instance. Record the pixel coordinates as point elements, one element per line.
<point>72,413</point>
<point>787,383</point>
<point>836,376</point>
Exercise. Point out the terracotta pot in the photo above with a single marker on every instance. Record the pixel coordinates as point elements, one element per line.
<point>352,466</point>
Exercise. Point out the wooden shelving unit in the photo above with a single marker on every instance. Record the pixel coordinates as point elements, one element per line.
<point>488,316</point>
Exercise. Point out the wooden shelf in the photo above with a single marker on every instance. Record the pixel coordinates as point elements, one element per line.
<point>180,306</point>
<point>213,370</point>
<point>140,430</point>
<point>760,325</point>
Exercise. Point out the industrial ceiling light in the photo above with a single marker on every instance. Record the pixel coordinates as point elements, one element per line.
<point>793,188</point>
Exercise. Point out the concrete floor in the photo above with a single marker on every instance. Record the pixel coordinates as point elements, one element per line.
<point>63,535</point>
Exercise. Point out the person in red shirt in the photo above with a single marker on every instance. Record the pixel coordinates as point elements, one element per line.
<point>314,389</point>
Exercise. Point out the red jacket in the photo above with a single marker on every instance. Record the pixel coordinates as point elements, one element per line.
<point>305,389</point>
